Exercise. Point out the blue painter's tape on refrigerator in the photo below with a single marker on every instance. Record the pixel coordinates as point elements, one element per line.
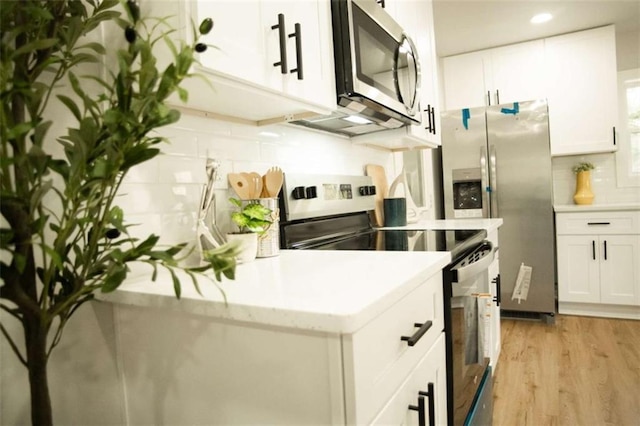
<point>466,115</point>
<point>514,110</point>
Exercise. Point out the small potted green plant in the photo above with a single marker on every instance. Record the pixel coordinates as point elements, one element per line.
<point>583,194</point>
<point>252,220</point>
<point>583,167</point>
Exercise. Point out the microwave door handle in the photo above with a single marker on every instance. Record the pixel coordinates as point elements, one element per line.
<point>484,182</point>
<point>493,178</point>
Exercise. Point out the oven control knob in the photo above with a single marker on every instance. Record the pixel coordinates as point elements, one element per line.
<point>298,193</point>
<point>310,192</point>
<point>363,190</point>
<point>372,190</point>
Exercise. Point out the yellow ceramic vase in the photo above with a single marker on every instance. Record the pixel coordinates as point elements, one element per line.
<point>583,194</point>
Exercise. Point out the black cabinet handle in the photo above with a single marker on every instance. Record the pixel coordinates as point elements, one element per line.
<point>433,117</point>
<point>605,249</point>
<point>412,340</point>
<point>497,298</point>
<point>298,35</point>
<point>497,97</point>
<point>428,111</point>
<point>598,223</point>
<point>282,33</point>
<point>593,249</point>
<point>614,135</point>
<point>380,2</point>
<point>430,393</point>
<point>420,409</point>
<point>488,98</point>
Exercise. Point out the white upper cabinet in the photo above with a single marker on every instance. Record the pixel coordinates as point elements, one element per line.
<point>575,72</point>
<point>582,92</point>
<point>517,72</point>
<point>247,76</point>
<point>489,77</point>
<point>464,81</point>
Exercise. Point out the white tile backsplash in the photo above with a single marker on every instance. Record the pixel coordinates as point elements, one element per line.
<point>162,195</point>
<point>603,180</point>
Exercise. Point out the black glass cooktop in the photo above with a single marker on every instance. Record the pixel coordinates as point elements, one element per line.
<point>355,233</point>
<point>454,241</point>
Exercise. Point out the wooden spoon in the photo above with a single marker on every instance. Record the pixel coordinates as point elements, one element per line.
<point>273,181</point>
<point>240,184</point>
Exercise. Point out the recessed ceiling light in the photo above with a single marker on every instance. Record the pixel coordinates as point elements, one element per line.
<point>541,17</point>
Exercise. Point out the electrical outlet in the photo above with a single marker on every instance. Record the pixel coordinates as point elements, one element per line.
<point>222,182</point>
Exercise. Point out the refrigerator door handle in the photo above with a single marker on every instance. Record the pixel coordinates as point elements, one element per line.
<point>493,179</point>
<point>484,182</point>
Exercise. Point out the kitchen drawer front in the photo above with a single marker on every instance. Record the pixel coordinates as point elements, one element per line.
<point>431,369</point>
<point>377,361</point>
<point>590,223</point>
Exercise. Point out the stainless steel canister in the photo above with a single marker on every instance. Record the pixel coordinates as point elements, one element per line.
<point>269,242</point>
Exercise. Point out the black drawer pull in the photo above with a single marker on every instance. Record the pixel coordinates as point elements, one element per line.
<point>598,223</point>
<point>605,249</point>
<point>412,340</point>
<point>420,409</point>
<point>593,249</point>
<point>430,393</point>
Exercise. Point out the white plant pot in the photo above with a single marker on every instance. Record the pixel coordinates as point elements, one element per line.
<point>248,246</point>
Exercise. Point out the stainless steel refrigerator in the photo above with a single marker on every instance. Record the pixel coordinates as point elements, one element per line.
<point>496,164</point>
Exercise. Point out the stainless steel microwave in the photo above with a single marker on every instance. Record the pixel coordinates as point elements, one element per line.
<point>376,62</point>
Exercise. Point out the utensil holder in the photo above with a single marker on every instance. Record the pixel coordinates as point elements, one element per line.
<point>269,242</point>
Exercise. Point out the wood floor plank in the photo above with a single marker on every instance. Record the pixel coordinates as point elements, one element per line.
<point>580,371</point>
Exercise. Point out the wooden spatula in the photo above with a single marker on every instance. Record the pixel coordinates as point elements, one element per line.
<point>379,178</point>
<point>256,181</point>
<point>240,184</point>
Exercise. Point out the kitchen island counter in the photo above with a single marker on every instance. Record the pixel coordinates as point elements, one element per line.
<point>456,224</point>
<point>337,292</point>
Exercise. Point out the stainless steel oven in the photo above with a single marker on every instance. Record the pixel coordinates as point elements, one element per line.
<point>331,213</point>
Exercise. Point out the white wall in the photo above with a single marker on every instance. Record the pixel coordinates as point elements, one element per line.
<point>163,194</point>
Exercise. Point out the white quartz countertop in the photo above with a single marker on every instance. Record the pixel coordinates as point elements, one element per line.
<point>455,224</point>
<point>566,208</point>
<point>330,291</point>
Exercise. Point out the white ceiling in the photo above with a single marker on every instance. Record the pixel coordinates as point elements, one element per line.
<point>464,26</point>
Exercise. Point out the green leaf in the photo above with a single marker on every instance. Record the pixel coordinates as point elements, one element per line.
<point>96,47</point>
<point>40,132</point>
<point>71,105</point>
<point>137,155</point>
<point>115,277</point>
<point>19,130</point>
<point>176,283</point>
<point>39,44</point>
<point>183,94</point>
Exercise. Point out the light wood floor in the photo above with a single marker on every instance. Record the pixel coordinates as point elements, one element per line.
<point>580,371</point>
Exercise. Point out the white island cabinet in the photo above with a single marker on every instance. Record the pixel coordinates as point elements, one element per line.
<point>308,337</point>
<point>598,262</point>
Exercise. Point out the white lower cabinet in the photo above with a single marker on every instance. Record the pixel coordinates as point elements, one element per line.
<point>599,263</point>
<point>424,392</point>
<point>183,368</point>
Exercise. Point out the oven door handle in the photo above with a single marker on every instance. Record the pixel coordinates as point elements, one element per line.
<point>463,273</point>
